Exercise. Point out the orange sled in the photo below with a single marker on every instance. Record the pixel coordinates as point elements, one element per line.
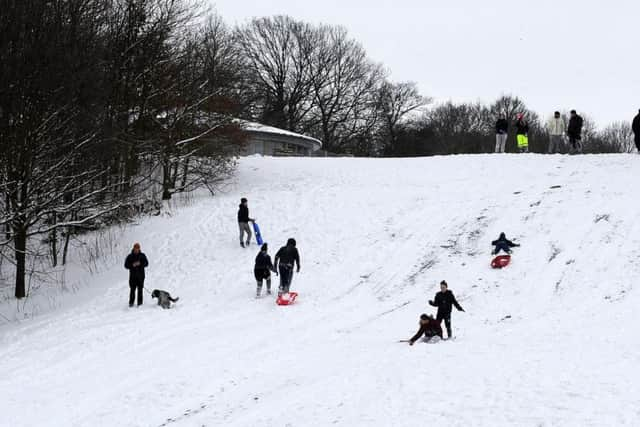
<point>501,261</point>
<point>287,299</point>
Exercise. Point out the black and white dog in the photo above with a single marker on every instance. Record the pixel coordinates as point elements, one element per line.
<point>164,298</point>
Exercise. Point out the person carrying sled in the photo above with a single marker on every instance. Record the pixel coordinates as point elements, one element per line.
<point>243,222</point>
<point>502,128</point>
<point>262,270</point>
<point>574,132</point>
<point>635,126</point>
<point>522,133</point>
<point>136,262</point>
<point>285,259</point>
<point>503,244</point>
<point>429,327</point>
<point>445,301</point>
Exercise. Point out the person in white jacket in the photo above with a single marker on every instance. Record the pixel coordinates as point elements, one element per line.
<point>556,128</point>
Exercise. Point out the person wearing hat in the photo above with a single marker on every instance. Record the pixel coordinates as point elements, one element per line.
<point>286,258</point>
<point>556,128</point>
<point>522,133</point>
<point>243,222</point>
<point>635,126</point>
<point>574,131</point>
<point>262,270</point>
<point>445,300</point>
<point>429,327</point>
<point>502,129</point>
<point>136,262</point>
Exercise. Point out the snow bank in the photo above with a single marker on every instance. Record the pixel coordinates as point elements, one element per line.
<point>550,340</point>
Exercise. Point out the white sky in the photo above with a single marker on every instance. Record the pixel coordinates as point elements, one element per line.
<point>563,54</point>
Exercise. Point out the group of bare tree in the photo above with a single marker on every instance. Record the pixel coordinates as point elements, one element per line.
<point>103,104</point>
<point>320,81</point>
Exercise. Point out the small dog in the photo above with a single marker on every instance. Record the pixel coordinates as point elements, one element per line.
<point>164,298</point>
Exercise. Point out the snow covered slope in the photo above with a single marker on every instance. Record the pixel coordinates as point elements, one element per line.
<point>553,340</point>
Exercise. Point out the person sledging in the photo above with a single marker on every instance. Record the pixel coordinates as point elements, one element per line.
<point>285,260</point>
<point>503,244</point>
<point>262,270</point>
<point>445,301</point>
<point>429,328</point>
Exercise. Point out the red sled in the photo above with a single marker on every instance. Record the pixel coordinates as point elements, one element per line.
<point>287,299</point>
<point>501,261</point>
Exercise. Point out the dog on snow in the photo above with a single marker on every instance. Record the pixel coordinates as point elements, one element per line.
<point>164,298</point>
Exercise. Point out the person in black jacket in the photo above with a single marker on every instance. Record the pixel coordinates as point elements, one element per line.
<point>243,222</point>
<point>503,244</point>
<point>136,262</point>
<point>286,257</point>
<point>574,131</point>
<point>445,300</point>
<point>429,327</point>
<point>262,270</point>
<point>502,128</point>
<point>635,126</point>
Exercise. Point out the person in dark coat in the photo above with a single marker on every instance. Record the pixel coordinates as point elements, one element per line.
<point>136,262</point>
<point>262,270</point>
<point>445,301</point>
<point>429,327</point>
<point>502,129</point>
<point>503,244</point>
<point>522,133</point>
<point>574,132</point>
<point>285,260</point>
<point>635,126</point>
<point>243,222</point>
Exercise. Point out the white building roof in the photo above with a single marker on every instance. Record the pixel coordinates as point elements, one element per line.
<point>259,127</point>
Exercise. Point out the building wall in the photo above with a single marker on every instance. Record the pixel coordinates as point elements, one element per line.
<point>277,145</point>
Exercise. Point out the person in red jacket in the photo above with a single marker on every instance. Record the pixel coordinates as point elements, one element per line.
<point>429,327</point>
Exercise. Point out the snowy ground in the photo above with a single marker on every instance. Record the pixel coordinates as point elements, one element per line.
<point>550,341</point>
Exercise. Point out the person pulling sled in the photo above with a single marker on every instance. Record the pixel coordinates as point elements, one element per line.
<point>503,244</point>
<point>286,258</point>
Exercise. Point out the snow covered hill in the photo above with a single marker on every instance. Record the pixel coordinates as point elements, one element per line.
<point>552,340</point>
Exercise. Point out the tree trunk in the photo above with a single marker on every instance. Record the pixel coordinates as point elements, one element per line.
<point>53,241</point>
<point>20,241</point>
<point>166,180</point>
<point>65,250</point>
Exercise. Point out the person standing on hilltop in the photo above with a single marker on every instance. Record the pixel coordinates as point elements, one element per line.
<point>522,133</point>
<point>575,132</point>
<point>636,130</point>
<point>243,222</point>
<point>556,129</point>
<point>502,129</point>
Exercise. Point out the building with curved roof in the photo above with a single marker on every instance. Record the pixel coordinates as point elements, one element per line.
<point>272,141</point>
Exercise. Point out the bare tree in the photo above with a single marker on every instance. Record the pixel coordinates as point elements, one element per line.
<point>277,51</point>
<point>397,100</point>
<point>346,85</point>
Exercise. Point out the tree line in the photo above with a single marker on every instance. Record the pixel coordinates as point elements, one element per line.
<point>109,107</point>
